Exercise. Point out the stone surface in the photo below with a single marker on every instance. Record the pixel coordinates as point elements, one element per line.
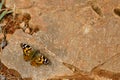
<point>83,33</point>
<point>13,58</point>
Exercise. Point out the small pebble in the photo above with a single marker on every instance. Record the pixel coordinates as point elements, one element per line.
<point>27,30</point>
<point>22,25</point>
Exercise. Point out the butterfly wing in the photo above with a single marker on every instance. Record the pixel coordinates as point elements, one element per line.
<point>28,51</point>
<point>39,59</point>
<point>34,56</point>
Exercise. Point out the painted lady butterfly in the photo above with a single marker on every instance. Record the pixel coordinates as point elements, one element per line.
<point>34,56</point>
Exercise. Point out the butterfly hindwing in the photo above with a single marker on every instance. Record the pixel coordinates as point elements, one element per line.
<point>39,59</point>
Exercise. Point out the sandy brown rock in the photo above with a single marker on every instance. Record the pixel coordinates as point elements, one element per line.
<point>83,33</point>
<point>13,58</point>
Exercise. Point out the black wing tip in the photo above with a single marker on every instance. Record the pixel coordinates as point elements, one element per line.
<point>22,45</point>
<point>47,62</point>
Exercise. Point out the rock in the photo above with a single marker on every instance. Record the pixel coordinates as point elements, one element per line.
<point>10,74</point>
<point>74,32</point>
<point>12,57</point>
<point>27,30</point>
<point>112,64</point>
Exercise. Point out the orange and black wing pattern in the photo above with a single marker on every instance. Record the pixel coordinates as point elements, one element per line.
<point>35,57</point>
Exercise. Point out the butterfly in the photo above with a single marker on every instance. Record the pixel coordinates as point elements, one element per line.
<point>35,57</point>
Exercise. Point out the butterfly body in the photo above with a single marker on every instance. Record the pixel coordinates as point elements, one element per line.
<point>34,56</point>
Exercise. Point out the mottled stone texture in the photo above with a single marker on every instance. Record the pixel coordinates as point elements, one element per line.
<point>13,58</point>
<point>83,33</point>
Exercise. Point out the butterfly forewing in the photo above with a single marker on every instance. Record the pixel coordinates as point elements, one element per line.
<point>28,52</point>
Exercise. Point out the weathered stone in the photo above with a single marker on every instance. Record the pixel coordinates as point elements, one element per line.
<point>83,33</point>
<point>12,57</point>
